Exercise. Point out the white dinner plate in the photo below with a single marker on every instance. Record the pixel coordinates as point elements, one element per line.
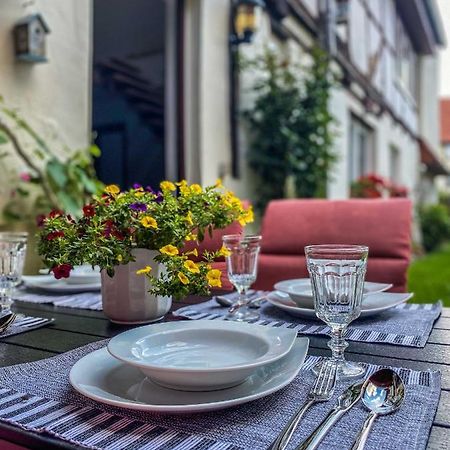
<point>103,378</point>
<point>201,355</point>
<point>300,290</point>
<point>84,275</point>
<point>48,283</point>
<point>371,304</point>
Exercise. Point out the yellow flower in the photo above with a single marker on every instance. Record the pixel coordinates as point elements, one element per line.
<point>188,219</point>
<point>192,252</point>
<point>246,216</point>
<point>184,188</point>
<point>149,222</point>
<point>146,269</point>
<point>169,250</point>
<point>224,251</point>
<point>167,186</point>
<point>196,188</point>
<point>119,258</point>
<point>191,237</point>
<point>183,278</point>
<point>218,183</point>
<point>213,276</point>
<point>112,189</point>
<point>139,194</point>
<point>191,266</point>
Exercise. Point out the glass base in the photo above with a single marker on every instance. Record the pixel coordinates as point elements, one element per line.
<point>346,370</point>
<point>242,314</point>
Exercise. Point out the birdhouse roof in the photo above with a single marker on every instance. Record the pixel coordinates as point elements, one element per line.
<point>31,18</point>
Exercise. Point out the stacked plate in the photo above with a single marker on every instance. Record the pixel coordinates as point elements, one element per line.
<point>82,279</point>
<point>190,366</point>
<point>296,298</point>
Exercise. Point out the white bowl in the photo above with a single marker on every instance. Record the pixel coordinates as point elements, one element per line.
<point>201,355</point>
<point>300,290</point>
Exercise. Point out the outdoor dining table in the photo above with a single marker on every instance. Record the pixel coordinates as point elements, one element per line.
<point>76,327</point>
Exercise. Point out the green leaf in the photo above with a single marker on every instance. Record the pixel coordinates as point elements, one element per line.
<point>56,172</point>
<point>68,203</point>
<point>95,151</point>
<point>22,192</point>
<point>3,138</point>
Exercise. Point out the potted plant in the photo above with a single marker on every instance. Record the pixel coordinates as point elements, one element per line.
<point>375,186</point>
<point>137,238</point>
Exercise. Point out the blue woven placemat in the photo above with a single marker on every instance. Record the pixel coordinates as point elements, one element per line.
<point>408,324</point>
<point>37,396</point>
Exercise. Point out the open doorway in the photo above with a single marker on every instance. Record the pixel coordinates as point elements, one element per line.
<point>128,94</point>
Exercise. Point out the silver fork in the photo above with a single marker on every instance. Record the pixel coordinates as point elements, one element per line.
<point>321,391</point>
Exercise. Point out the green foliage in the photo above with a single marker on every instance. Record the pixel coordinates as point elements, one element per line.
<point>435,226</point>
<point>56,183</point>
<point>289,123</point>
<point>429,277</point>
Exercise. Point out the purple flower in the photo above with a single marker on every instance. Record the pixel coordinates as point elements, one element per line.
<point>138,206</point>
<point>149,189</point>
<point>159,197</point>
<point>137,186</point>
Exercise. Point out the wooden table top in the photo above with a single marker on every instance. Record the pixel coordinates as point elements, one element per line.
<point>76,327</point>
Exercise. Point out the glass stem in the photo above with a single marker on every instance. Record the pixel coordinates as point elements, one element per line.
<point>242,296</point>
<point>337,344</point>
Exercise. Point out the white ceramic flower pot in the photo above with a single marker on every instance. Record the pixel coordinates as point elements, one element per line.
<point>125,296</point>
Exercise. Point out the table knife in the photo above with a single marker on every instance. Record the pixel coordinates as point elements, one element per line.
<point>344,403</point>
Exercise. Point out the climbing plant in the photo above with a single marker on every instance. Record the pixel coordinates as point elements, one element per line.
<point>290,126</point>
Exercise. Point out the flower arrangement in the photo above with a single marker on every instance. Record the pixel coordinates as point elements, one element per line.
<point>375,186</point>
<point>116,222</point>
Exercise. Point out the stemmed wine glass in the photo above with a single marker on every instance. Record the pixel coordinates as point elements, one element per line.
<point>337,277</point>
<point>241,261</point>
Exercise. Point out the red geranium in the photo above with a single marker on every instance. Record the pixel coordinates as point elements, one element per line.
<point>62,271</point>
<point>55,234</point>
<point>89,211</point>
<point>40,220</point>
<point>55,213</point>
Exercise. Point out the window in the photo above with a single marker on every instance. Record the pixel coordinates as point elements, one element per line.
<point>394,164</point>
<point>362,149</point>
<point>405,61</point>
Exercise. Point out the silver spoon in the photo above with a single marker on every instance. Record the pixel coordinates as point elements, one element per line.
<point>6,321</point>
<point>383,393</point>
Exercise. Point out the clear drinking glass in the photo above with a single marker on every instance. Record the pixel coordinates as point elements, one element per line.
<point>337,277</point>
<point>12,257</point>
<point>21,237</point>
<point>242,269</point>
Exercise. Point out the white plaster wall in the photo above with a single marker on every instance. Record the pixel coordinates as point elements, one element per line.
<point>213,142</point>
<point>53,95</point>
<point>429,101</point>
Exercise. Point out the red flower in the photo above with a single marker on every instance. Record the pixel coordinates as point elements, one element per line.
<point>55,213</point>
<point>398,191</point>
<point>89,211</point>
<point>54,234</point>
<point>40,220</point>
<point>62,271</point>
<point>374,178</point>
<point>117,234</point>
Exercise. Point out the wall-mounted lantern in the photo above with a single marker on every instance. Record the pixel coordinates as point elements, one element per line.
<point>29,39</point>
<point>244,18</point>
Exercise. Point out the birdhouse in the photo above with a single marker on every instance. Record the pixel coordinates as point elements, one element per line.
<point>29,39</point>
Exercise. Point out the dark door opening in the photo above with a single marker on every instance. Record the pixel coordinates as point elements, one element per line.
<point>128,108</point>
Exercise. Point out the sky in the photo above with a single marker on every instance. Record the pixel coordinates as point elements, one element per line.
<point>444,90</point>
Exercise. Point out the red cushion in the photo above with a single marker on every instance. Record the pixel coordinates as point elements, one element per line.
<point>214,243</point>
<point>274,268</point>
<point>382,224</point>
